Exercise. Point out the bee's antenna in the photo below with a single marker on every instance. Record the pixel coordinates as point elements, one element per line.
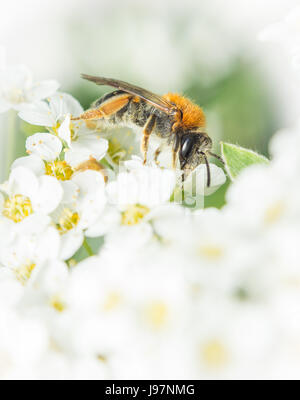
<point>216,156</point>
<point>208,170</point>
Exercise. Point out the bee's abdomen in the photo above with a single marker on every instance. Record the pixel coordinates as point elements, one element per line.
<point>134,113</point>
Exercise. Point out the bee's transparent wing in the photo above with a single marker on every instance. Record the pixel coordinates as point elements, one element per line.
<point>154,99</point>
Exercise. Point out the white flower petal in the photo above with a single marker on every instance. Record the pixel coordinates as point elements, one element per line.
<point>94,144</point>
<point>23,181</point>
<point>92,207</point>
<point>34,224</point>
<point>71,192</point>
<point>62,104</point>
<point>49,195</point>
<point>197,180</point>
<point>89,181</point>
<point>38,114</point>
<point>32,162</point>
<point>17,78</point>
<point>70,243</point>
<point>109,220</point>
<point>44,145</point>
<point>42,90</point>
<point>64,131</point>
<point>149,186</point>
<point>75,158</point>
<point>48,245</point>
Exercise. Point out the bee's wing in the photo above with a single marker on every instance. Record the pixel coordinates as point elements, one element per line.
<point>151,98</point>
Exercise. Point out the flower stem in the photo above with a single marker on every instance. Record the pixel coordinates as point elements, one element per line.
<point>88,248</point>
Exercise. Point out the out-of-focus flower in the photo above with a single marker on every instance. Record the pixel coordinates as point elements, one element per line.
<point>17,89</point>
<point>27,254</point>
<point>23,343</point>
<point>287,33</point>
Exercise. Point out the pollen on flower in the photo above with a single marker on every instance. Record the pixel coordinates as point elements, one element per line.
<point>15,96</point>
<point>23,273</point>
<point>56,126</point>
<point>116,151</point>
<point>112,301</point>
<point>134,214</point>
<point>214,354</point>
<point>273,213</point>
<point>92,164</point>
<point>156,314</point>
<point>57,303</point>
<point>67,221</point>
<point>17,208</point>
<point>59,169</point>
<point>211,252</point>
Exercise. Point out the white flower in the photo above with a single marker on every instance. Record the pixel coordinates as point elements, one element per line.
<point>25,194</point>
<point>23,344</point>
<point>28,253</point>
<point>51,113</point>
<point>17,89</point>
<point>263,199</point>
<point>145,185</point>
<point>196,182</point>
<point>82,142</point>
<point>82,205</point>
<point>44,145</point>
<point>134,196</point>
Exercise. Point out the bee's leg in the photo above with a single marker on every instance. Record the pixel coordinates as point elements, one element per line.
<point>148,128</point>
<point>89,115</point>
<point>156,155</point>
<point>107,108</point>
<point>175,150</point>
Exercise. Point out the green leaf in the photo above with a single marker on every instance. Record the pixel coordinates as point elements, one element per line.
<point>237,158</point>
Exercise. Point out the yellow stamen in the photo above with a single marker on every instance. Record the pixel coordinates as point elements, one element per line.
<point>56,127</point>
<point>273,213</point>
<point>112,301</point>
<point>24,272</point>
<point>15,96</point>
<point>211,252</point>
<point>17,208</point>
<point>57,303</point>
<point>156,314</point>
<point>214,354</point>
<point>134,214</point>
<point>115,150</point>
<point>59,169</point>
<point>67,221</point>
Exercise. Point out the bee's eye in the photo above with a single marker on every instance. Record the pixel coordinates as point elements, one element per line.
<point>187,146</point>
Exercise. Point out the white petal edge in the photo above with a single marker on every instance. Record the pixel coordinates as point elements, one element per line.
<point>46,146</point>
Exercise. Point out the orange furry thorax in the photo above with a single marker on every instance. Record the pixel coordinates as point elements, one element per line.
<point>192,115</point>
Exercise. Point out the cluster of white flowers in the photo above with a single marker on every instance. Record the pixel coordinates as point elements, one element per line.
<point>173,292</point>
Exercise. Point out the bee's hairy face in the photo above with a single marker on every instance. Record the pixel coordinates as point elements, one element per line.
<point>192,151</point>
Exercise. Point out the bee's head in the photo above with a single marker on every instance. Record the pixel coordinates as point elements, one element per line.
<point>193,151</point>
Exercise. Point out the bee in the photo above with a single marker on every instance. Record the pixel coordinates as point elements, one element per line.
<point>175,119</point>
